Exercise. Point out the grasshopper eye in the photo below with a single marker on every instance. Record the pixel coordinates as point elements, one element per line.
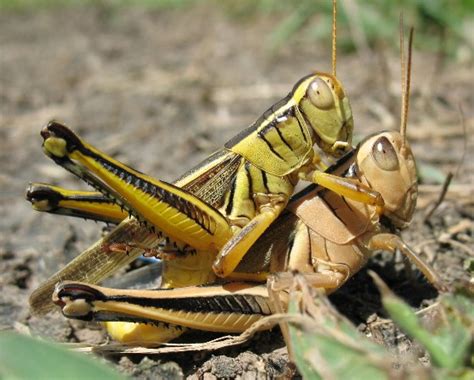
<point>320,94</point>
<point>384,155</point>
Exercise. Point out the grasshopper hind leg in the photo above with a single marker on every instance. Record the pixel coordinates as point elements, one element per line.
<point>142,334</point>
<point>81,204</point>
<point>229,308</point>
<point>189,270</point>
<point>164,206</point>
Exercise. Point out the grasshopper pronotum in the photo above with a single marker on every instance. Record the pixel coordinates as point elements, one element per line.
<point>324,236</point>
<point>222,205</point>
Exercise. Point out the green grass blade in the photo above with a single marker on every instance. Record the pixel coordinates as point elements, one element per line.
<point>329,346</point>
<point>450,344</point>
<point>23,357</point>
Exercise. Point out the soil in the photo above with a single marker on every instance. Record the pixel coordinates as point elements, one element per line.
<point>162,89</point>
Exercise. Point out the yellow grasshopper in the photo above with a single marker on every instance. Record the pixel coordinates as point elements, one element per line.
<point>324,236</point>
<point>269,158</point>
<point>221,206</point>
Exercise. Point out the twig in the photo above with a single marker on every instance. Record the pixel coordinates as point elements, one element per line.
<point>440,199</point>
<point>450,175</point>
<point>386,321</point>
<point>460,245</point>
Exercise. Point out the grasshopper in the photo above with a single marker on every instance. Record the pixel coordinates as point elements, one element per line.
<point>269,158</point>
<point>221,206</point>
<point>325,236</point>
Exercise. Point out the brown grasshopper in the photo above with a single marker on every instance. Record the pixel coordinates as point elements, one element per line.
<point>325,236</point>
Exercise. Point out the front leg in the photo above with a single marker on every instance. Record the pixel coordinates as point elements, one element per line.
<point>392,243</point>
<point>347,187</point>
<point>269,206</point>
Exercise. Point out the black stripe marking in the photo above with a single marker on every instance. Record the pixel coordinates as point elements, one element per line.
<point>256,306</point>
<point>282,138</point>
<point>347,204</point>
<point>74,143</point>
<point>301,127</point>
<point>233,303</point>
<point>262,136</point>
<point>230,203</point>
<point>333,210</point>
<point>67,164</point>
<point>250,180</point>
<point>174,201</point>
<point>349,157</point>
<point>239,305</point>
<point>246,305</point>
<point>265,181</point>
<point>266,116</point>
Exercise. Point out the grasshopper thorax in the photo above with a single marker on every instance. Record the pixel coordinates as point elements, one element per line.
<point>386,162</point>
<point>281,141</point>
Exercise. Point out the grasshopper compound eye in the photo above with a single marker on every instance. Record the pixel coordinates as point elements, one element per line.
<point>320,94</point>
<point>384,154</point>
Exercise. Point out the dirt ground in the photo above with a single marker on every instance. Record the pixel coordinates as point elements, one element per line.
<point>160,90</point>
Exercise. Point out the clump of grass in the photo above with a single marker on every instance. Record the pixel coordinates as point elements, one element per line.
<point>450,344</point>
<point>324,344</point>
<point>441,24</point>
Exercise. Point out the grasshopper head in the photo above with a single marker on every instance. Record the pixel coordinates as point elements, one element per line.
<point>386,162</point>
<point>324,106</point>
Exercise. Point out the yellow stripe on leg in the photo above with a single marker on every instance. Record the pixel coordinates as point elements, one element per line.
<point>141,334</point>
<point>202,226</point>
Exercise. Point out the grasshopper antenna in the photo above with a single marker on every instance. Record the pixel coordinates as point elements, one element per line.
<point>334,34</point>
<point>401,28</point>
<point>406,79</point>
